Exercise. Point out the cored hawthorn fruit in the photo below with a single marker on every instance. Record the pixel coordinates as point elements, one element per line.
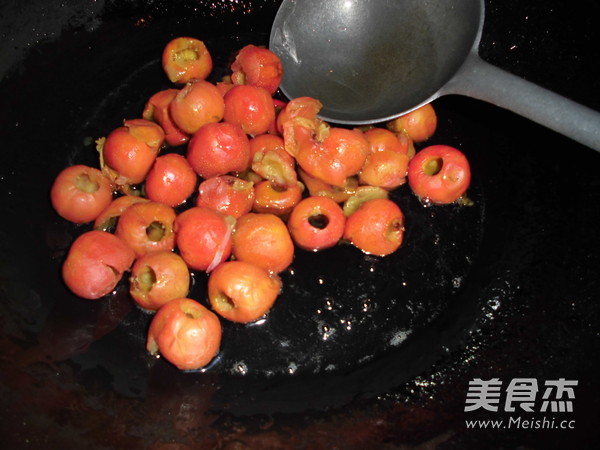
<point>274,199</point>
<point>108,218</point>
<point>185,59</point>
<point>185,333</point>
<point>157,278</point>
<point>250,107</point>
<point>316,223</point>
<point>271,161</point>
<point>95,264</point>
<point>317,187</point>
<point>263,240</point>
<point>250,175</point>
<point>157,110</point>
<point>298,122</point>
<point>171,180</point>
<point>384,139</point>
<point>376,227</point>
<point>340,154</point>
<point>242,292</point>
<point>218,149</point>
<point>419,124</point>
<point>257,66</point>
<point>227,194</point>
<point>384,168</point>
<point>128,152</point>
<point>198,103</point>
<point>361,195</point>
<point>439,174</point>
<point>204,237</point>
<point>147,227</point>
<point>279,106</point>
<point>80,193</point>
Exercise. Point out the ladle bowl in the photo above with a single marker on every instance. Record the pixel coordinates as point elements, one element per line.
<point>371,61</point>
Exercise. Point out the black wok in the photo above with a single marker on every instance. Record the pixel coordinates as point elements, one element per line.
<point>359,352</point>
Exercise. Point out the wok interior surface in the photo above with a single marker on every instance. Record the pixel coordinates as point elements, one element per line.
<point>377,350</point>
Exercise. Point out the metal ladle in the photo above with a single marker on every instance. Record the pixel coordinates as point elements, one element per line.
<point>371,61</point>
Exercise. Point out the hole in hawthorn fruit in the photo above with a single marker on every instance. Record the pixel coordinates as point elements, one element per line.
<point>109,224</point>
<point>146,279</point>
<point>85,183</point>
<point>224,302</point>
<point>433,166</point>
<point>191,312</point>
<point>395,229</point>
<point>239,185</point>
<point>278,188</point>
<point>319,221</point>
<point>187,54</point>
<point>155,231</point>
<point>398,225</point>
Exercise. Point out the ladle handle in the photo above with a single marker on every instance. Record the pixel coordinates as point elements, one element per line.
<point>481,80</point>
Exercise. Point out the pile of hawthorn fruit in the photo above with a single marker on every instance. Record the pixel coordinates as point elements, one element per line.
<point>266,176</point>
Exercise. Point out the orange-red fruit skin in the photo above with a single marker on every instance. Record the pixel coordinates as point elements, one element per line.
<point>203,237</point>
<point>257,66</point>
<point>384,168</point>
<point>110,215</point>
<point>185,59</point>
<point>226,194</point>
<point>271,161</point>
<point>218,149</point>
<point>185,333</point>
<point>376,227</point>
<point>198,103</point>
<point>129,151</point>
<point>384,139</point>
<point>270,198</point>
<point>95,264</point>
<point>449,183</point>
<point>242,292</point>
<point>263,240</point>
<point>136,223</point>
<point>157,110</point>
<point>340,155</point>
<point>77,205</point>
<point>419,124</point>
<point>312,237</point>
<point>171,180</point>
<point>170,279</point>
<point>250,107</point>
